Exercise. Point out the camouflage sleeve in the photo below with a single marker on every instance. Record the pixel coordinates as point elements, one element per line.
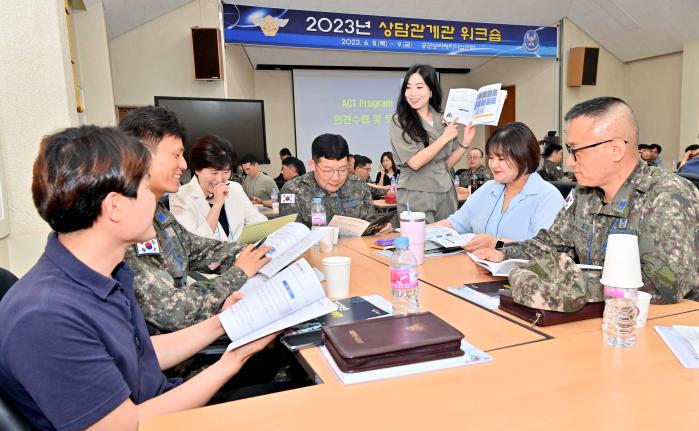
<point>368,210</point>
<point>170,308</point>
<point>556,239</point>
<point>290,202</point>
<point>669,246</point>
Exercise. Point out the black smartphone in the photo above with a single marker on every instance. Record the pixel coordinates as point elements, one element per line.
<point>296,342</point>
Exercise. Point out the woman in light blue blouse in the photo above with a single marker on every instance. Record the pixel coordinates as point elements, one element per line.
<point>517,203</point>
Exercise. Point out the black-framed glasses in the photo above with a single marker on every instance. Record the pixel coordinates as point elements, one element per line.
<point>573,151</point>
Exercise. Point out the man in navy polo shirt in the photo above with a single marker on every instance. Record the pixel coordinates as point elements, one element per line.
<point>74,348</point>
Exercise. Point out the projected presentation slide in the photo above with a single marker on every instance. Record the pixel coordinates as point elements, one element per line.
<point>358,105</point>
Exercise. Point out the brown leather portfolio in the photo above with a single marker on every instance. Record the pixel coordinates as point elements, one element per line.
<point>541,317</point>
<point>390,341</point>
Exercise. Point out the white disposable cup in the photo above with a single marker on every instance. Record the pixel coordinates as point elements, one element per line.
<point>275,207</point>
<point>622,265</point>
<point>337,276</point>
<point>326,241</point>
<point>412,225</point>
<point>642,303</point>
<point>336,234</point>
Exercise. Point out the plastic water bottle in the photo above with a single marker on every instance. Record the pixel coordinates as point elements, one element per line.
<point>317,216</point>
<point>619,320</point>
<point>456,181</point>
<point>404,281</point>
<point>275,195</point>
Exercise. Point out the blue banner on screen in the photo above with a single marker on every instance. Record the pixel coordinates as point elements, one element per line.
<point>306,29</point>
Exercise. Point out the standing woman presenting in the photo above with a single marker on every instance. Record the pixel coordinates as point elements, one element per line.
<point>424,147</point>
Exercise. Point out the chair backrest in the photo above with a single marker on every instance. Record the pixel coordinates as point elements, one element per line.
<point>7,279</point>
<point>694,178</point>
<point>564,187</point>
<point>11,419</point>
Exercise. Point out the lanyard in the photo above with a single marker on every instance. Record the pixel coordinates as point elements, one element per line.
<point>604,246</point>
<point>497,228</point>
<point>173,250</point>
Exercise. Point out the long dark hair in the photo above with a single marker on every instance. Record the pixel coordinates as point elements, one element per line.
<point>390,157</point>
<point>408,118</point>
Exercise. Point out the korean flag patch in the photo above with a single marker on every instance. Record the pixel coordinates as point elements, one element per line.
<point>288,198</point>
<point>148,247</point>
<point>570,199</point>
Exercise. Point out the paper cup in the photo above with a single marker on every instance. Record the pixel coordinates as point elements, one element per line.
<point>643,304</point>
<point>337,276</point>
<point>412,225</point>
<point>326,241</point>
<point>622,265</point>
<point>275,207</point>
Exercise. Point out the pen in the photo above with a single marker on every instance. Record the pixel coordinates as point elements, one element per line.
<point>259,243</point>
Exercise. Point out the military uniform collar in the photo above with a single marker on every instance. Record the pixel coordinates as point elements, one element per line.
<point>162,216</point>
<point>639,180</point>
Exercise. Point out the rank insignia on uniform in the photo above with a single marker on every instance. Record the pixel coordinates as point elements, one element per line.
<point>570,199</point>
<point>288,198</point>
<point>622,205</point>
<point>148,247</point>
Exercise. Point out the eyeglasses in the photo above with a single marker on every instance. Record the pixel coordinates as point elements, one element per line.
<point>574,151</point>
<point>367,168</point>
<point>329,172</point>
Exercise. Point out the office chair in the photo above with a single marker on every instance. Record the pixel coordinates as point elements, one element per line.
<point>7,279</point>
<point>11,419</point>
<point>694,178</point>
<point>564,187</point>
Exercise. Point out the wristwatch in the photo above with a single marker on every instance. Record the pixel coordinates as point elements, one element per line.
<point>499,244</point>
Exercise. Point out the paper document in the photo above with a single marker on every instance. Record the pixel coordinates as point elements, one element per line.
<point>288,243</point>
<point>446,236</point>
<point>482,106</point>
<point>501,269</point>
<point>678,346</point>
<point>290,297</point>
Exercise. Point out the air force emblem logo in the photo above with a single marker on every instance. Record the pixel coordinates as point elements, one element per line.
<point>531,41</point>
<point>269,24</point>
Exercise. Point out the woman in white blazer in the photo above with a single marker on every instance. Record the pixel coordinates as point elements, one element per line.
<point>210,205</point>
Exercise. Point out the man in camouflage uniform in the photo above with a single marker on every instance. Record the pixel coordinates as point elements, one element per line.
<point>342,193</point>
<point>617,193</point>
<point>551,169</point>
<point>475,166</point>
<point>161,265</point>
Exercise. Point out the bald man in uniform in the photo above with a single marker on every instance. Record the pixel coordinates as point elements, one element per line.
<point>616,193</point>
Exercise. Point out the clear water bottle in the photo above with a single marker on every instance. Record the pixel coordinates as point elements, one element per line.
<point>404,281</point>
<point>456,181</point>
<point>275,195</point>
<point>619,320</point>
<point>317,216</point>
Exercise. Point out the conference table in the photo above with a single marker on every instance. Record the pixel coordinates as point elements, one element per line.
<point>540,378</point>
<point>381,204</point>
<point>456,269</point>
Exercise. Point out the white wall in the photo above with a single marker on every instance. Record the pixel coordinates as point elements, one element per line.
<point>37,98</point>
<point>275,88</point>
<point>240,76</point>
<point>92,57</point>
<point>156,58</point>
<point>689,123</point>
<point>653,89</point>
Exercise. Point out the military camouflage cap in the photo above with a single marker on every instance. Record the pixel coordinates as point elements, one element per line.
<point>551,281</point>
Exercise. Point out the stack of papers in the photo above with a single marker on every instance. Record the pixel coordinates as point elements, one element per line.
<point>472,355</point>
<point>683,341</point>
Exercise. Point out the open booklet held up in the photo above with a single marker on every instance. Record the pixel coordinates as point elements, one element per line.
<point>289,298</point>
<point>350,226</point>
<point>482,106</point>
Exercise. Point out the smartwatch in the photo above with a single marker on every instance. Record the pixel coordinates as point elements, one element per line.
<point>499,244</point>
